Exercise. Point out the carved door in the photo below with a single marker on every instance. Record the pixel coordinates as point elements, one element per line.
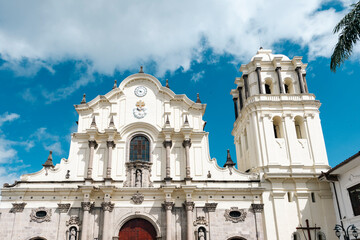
<point>137,229</point>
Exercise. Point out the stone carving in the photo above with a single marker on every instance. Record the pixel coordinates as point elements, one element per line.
<point>257,207</point>
<point>17,207</point>
<point>73,221</point>
<point>107,206</point>
<point>209,174</point>
<point>140,111</point>
<point>210,207</point>
<point>168,205</point>
<point>235,215</point>
<point>40,215</point>
<point>189,206</point>
<point>87,206</point>
<point>137,198</point>
<point>200,221</point>
<point>67,176</point>
<point>138,174</point>
<point>73,233</point>
<point>63,207</point>
<point>201,234</point>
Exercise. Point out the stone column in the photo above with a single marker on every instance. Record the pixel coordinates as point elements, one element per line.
<point>257,210</point>
<point>63,208</point>
<point>189,207</point>
<point>107,207</point>
<point>235,108</point>
<point>168,206</point>
<point>298,70</point>
<point>246,83</point>
<point>240,98</point>
<point>187,145</point>
<point>258,73</point>
<point>92,145</point>
<point>305,83</point>
<point>167,144</point>
<point>110,146</point>
<point>281,85</point>
<point>86,207</point>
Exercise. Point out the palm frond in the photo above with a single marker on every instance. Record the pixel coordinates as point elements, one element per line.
<point>350,33</point>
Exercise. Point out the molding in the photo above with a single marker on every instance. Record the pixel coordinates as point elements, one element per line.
<point>35,218</point>
<point>201,221</point>
<point>241,218</point>
<point>257,208</point>
<point>107,206</point>
<point>17,207</point>
<point>137,198</point>
<point>63,207</point>
<point>189,206</point>
<point>87,206</point>
<point>73,221</point>
<point>168,205</point>
<point>210,207</point>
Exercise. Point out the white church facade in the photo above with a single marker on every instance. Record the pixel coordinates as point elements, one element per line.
<point>139,167</point>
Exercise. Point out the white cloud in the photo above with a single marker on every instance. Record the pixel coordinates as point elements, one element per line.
<point>28,95</point>
<point>49,141</point>
<point>55,147</point>
<point>8,117</point>
<point>197,76</point>
<point>125,34</point>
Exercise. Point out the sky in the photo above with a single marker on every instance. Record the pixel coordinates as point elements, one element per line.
<point>51,52</point>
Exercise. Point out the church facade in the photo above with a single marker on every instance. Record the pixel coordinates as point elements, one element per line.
<point>139,167</point>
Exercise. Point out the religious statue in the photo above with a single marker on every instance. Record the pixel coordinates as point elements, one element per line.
<point>73,233</point>
<point>138,178</point>
<point>201,234</point>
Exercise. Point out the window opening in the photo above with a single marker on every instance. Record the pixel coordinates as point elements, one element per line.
<point>139,149</point>
<point>267,89</point>
<point>354,193</point>
<point>313,197</point>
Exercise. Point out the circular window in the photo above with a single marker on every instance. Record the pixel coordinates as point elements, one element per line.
<point>41,214</point>
<point>235,214</point>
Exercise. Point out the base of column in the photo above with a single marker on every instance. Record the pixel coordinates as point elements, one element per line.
<point>88,181</point>
<point>108,181</point>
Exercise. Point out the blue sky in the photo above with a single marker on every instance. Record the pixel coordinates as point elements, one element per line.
<point>52,52</point>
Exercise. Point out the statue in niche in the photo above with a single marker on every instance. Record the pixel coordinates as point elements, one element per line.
<point>201,235</point>
<point>73,233</point>
<point>138,178</point>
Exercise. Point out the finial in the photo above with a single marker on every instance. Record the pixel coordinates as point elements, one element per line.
<point>186,120</point>
<point>111,124</point>
<point>229,161</point>
<point>93,123</point>
<point>48,164</point>
<point>198,98</point>
<point>167,119</point>
<point>167,83</point>
<point>83,99</point>
<point>115,84</point>
<point>141,70</point>
<point>261,48</point>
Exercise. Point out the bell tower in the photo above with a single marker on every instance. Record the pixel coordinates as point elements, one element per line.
<point>277,128</point>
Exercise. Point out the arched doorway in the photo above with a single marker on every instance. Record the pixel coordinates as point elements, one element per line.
<point>137,229</point>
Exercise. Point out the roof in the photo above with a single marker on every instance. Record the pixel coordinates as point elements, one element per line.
<point>340,165</point>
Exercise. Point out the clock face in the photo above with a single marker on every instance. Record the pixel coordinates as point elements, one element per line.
<point>140,91</point>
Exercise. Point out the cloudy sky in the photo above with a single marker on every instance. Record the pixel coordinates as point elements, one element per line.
<point>51,52</point>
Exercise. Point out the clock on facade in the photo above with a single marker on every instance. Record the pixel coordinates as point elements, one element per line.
<point>140,91</point>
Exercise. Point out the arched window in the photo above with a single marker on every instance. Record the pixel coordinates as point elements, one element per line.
<point>288,85</point>
<point>139,149</point>
<point>277,127</point>
<point>299,127</point>
<point>268,86</point>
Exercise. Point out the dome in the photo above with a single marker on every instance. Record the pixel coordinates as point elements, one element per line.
<point>267,55</point>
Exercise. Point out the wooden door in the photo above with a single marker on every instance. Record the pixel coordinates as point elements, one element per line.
<point>137,229</point>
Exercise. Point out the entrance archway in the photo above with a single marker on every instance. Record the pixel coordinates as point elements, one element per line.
<point>137,229</point>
